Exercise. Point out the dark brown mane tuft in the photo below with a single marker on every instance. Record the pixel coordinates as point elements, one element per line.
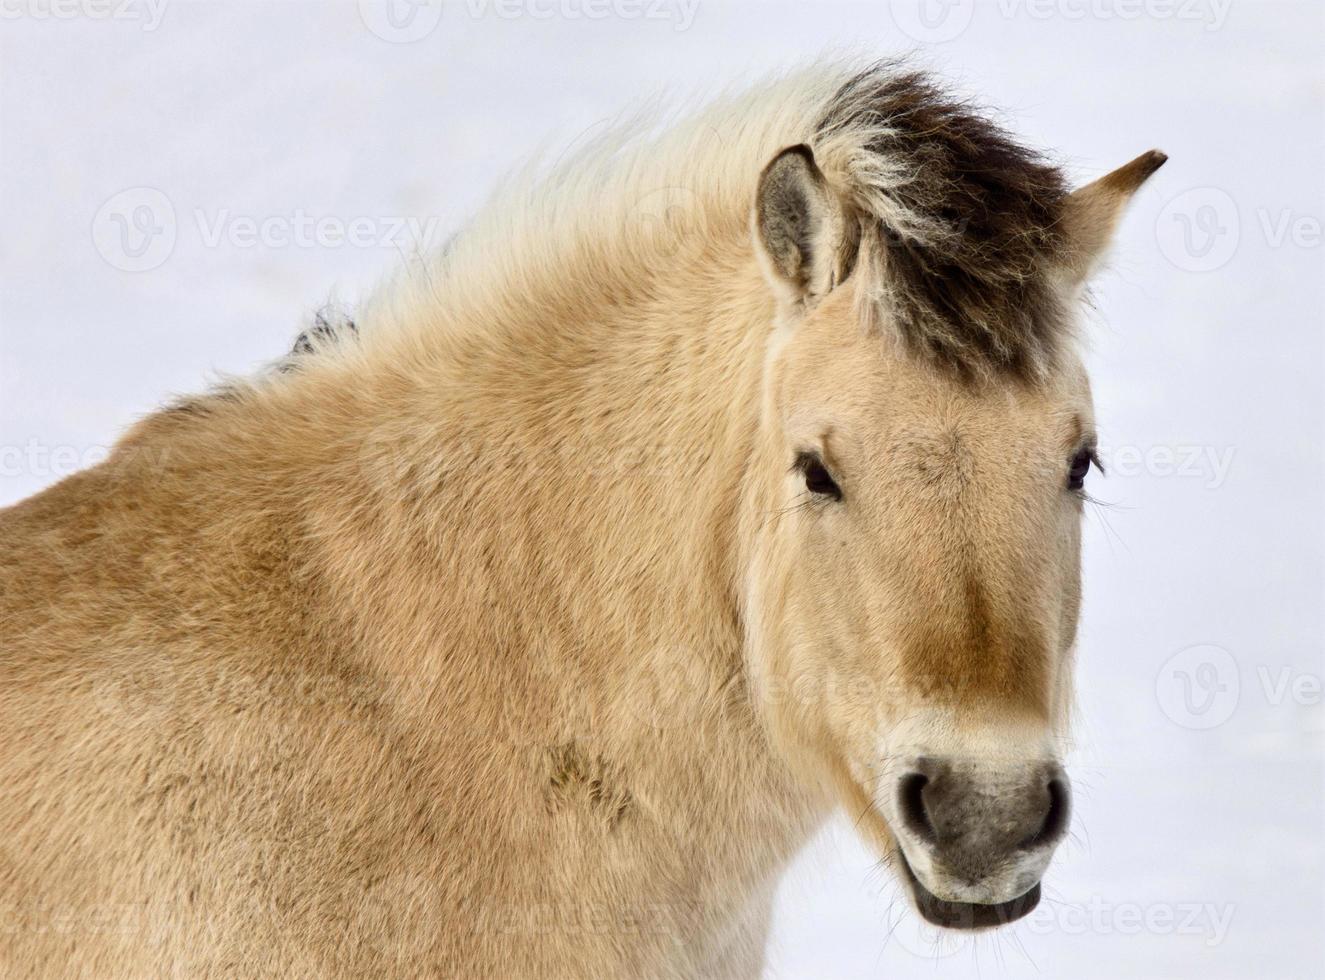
<point>960,223</point>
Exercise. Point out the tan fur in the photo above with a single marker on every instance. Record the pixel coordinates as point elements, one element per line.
<point>469,648</point>
<point>1091,213</point>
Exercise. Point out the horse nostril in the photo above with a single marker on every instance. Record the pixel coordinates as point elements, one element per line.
<point>911,803</point>
<point>1055,818</point>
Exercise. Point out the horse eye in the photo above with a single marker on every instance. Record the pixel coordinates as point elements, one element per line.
<point>1076,476</point>
<point>817,478</point>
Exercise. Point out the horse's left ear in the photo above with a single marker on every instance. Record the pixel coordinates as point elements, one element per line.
<point>800,227</point>
<point>1091,213</point>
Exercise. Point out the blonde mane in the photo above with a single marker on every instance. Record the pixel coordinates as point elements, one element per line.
<point>945,198</point>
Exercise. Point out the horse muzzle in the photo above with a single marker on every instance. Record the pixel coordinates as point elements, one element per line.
<point>975,837</point>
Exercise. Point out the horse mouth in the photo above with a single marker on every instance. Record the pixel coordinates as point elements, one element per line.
<point>968,915</point>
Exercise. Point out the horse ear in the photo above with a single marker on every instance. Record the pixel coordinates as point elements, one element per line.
<point>1091,213</point>
<point>800,227</point>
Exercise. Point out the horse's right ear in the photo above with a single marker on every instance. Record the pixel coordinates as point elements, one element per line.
<point>799,227</point>
<point>1091,213</point>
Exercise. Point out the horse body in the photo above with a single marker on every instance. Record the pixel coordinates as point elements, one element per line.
<point>328,687</point>
<point>454,650</point>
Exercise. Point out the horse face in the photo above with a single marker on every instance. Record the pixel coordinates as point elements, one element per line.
<point>918,598</point>
<point>914,578</point>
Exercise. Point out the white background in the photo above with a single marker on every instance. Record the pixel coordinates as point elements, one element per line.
<point>1197,836</point>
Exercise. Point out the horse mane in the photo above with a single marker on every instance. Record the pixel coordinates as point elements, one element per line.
<point>964,220</point>
<point>959,221</point>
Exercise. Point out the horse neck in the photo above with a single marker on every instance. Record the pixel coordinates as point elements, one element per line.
<point>581,454</point>
<point>545,543</point>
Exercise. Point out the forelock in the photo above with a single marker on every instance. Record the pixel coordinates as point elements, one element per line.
<point>960,223</point>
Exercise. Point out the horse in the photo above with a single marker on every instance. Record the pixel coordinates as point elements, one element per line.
<point>723,476</point>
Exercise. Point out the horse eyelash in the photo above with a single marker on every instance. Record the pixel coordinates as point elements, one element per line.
<point>802,460</point>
